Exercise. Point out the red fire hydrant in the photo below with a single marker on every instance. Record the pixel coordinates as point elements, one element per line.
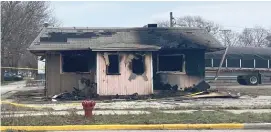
<point>88,106</point>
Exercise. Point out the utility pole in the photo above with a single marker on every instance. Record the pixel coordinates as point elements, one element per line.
<point>171,19</point>
<point>224,55</point>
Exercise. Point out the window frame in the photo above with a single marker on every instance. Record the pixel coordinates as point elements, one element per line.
<point>144,65</point>
<point>107,73</point>
<point>61,67</point>
<point>183,64</point>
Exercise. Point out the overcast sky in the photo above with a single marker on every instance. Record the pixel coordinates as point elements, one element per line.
<point>231,15</point>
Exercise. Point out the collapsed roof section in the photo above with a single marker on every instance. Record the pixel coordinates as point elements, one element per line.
<point>126,39</point>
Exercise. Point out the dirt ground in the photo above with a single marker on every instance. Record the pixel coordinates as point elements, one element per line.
<point>253,91</point>
<point>252,97</point>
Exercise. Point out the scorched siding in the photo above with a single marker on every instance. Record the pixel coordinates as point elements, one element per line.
<point>58,82</point>
<point>119,84</point>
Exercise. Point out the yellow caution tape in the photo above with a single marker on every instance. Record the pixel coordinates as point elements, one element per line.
<point>29,106</point>
<point>22,105</point>
<point>193,94</point>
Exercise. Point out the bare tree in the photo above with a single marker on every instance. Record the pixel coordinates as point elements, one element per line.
<point>269,39</point>
<point>163,24</point>
<point>255,37</point>
<point>193,21</point>
<point>229,38</point>
<point>197,21</point>
<point>21,21</point>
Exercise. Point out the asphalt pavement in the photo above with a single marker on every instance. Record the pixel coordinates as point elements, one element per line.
<point>15,86</point>
<point>12,86</point>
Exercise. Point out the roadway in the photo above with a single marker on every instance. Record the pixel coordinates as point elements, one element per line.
<point>15,86</point>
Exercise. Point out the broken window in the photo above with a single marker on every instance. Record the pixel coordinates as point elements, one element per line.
<point>171,62</point>
<point>77,62</point>
<point>138,65</point>
<point>113,67</point>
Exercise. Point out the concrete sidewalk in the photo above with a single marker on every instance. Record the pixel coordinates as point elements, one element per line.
<point>118,112</point>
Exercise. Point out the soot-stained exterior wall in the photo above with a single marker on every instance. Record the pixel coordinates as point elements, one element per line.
<point>194,69</point>
<point>57,81</point>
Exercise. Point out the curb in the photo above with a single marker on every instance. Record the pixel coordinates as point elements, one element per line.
<point>127,127</point>
<point>257,126</point>
<point>141,127</point>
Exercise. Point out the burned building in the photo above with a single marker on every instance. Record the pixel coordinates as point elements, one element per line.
<point>123,61</point>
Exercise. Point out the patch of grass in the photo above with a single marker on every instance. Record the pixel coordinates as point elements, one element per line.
<point>155,117</point>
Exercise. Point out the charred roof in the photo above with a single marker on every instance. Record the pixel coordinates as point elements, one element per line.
<point>146,38</point>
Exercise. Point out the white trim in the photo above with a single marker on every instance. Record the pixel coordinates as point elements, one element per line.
<point>97,72</point>
<point>212,62</point>
<point>254,61</point>
<point>226,62</point>
<point>268,64</point>
<point>151,74</point>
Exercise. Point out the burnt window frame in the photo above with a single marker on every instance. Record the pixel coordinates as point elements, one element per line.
<point>61,66</point>
<point>143,63</point>
<point>183,63</point>
<point>107,73</point>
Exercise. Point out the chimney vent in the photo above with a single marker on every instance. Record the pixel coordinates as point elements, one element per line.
<point>46,24</point>
<point>152,25</point>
